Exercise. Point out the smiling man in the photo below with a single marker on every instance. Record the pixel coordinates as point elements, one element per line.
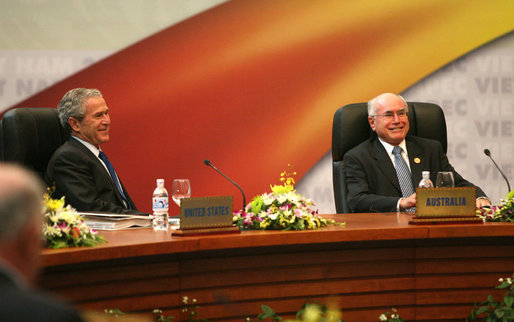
<point>383,172</point>
<point>79,169</point>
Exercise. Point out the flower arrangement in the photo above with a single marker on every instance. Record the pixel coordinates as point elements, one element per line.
<point>391,316</point>
<point>501,213</point>
<point>491,310</point>
<point>64,227</point>
<point>282,208</point>
<point>310,311</point>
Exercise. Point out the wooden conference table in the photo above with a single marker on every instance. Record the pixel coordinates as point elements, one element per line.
<point>374,263</point>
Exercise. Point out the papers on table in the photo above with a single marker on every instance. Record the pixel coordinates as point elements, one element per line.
<point>108,221</point>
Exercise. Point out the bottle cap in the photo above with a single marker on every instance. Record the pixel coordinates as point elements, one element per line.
<point>160,181</point>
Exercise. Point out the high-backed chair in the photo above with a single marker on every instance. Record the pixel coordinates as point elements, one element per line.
<point>351,127</point>
<point>29,136</point>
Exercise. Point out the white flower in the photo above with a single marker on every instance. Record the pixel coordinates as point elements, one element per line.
<point>293,197</point>
<point>281,199</point>
<point>185,299</point>
<point>500,280</point>
<point>382,317</point>
<point>267,199</point>
<point>509,280</point>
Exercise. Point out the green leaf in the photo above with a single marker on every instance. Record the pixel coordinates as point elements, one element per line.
<point>59,244</point>
<point>499,313</point>
<point>267,311</point>
<point>482,309</point>
<point>503,285</point>
<point>509,300</point>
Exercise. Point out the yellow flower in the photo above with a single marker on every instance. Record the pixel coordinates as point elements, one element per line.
<point>54,204</point>
<point>279,190</point>
<point>312,313</point>
<point>264,224</point>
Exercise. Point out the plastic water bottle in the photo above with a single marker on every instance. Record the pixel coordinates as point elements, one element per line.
<point>160,206</point>
<point>426,182</point>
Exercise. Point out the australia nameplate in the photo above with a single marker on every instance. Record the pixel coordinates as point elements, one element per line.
<point>453,202</point>
<point>445,204</point>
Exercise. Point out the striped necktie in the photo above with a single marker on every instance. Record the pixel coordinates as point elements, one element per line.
<point>403,173</point>
<point>114,176</point>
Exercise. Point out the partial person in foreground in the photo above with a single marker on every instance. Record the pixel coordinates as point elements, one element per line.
<point>79,169</point>
<point>382,172</point>
<point>21,218</point>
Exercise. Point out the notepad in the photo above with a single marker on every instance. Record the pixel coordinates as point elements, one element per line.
<point>109,221</point>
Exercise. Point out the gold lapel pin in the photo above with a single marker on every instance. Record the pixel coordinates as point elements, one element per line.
<point>417,160</point>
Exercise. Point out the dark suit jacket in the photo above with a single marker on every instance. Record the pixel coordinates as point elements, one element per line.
<point>24,305</point>
<point>371,179</point>
<point>80,176</point>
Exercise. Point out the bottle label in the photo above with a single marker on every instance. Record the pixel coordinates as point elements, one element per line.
<point>160,204</point>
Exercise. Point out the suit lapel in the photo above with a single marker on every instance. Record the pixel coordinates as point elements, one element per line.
<point>100,167</point>
<point>384,163</point>
<point>416,161</point>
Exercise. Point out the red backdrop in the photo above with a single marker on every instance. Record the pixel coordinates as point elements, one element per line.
<point>253,85</point>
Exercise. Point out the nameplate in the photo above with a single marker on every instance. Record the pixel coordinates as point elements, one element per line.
<point>446,202</point>
<point>206,212</point>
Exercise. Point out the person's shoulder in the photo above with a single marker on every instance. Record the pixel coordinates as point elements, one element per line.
<point>70,148</point>
<point>65,147</point>
<point>421,141</point>
<point>363,146</point>
<point>42,307</point>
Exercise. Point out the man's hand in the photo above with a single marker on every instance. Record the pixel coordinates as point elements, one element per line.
<point>408,202</point>
<point>482,202</point>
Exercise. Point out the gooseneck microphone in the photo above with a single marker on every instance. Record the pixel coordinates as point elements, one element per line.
<point>488,153</point>
<point>208,163</point>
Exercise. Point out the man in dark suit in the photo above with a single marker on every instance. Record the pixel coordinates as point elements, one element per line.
<point>79,169</point>
<point>21,193</point>
<point>370,168</point>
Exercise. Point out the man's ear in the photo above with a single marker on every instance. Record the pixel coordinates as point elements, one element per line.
<point>371,121</point>
<point>74,124</point>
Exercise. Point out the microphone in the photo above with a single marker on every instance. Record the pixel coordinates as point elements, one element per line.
<point>488,153</point>
<point>208,163</point>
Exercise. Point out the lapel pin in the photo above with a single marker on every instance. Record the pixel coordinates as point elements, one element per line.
<point>417,160</point>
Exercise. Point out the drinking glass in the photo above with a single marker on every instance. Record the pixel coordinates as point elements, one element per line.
<point>181,188</point>
<point>444,179</point>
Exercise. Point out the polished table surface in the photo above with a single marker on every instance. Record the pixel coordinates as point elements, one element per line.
<point>358,227</point>
<point>375,262</point>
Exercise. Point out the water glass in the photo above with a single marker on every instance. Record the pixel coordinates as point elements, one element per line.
<point>445,179</point>
<point>181,188</point>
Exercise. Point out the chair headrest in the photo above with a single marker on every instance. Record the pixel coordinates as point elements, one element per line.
<point>351,127</point>
<point>30,135</point>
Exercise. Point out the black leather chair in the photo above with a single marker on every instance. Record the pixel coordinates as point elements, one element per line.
<point>29,136</point>
<point>351,127</point>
